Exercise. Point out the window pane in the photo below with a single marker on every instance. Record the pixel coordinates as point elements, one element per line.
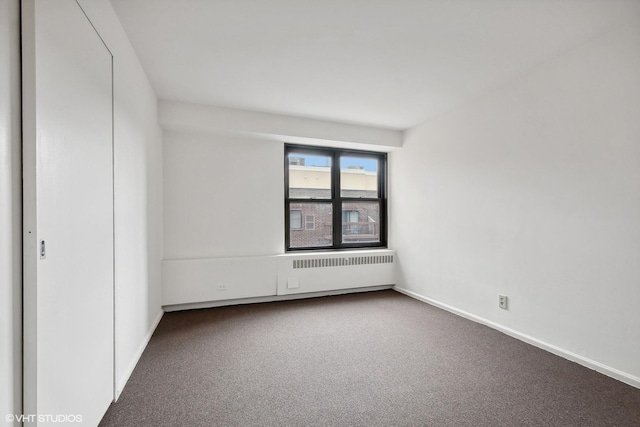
<point>360,222</point>
<point>309,176</point>
<point>318,229</point>
<point>358,177</point>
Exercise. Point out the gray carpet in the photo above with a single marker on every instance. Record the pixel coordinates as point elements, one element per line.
<point>371,359</point>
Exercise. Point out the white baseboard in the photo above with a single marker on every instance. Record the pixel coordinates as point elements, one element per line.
<point>581,360</point>
<point>122,381</point>
<point>221,303</point>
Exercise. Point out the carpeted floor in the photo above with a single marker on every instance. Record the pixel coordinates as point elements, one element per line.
<point>371,359</point>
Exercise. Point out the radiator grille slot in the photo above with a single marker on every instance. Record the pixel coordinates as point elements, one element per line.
<point>342,262</point>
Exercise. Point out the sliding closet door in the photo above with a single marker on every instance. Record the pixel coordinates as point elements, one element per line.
<point>68,203</point>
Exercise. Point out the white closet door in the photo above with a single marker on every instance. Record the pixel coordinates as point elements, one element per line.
<point>68,163</point>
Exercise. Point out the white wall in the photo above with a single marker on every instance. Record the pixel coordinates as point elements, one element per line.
<point>10,211</point>
<point>138,194</point>
<point>224,195</point>
<point>224,176</point>
<point>533,191</point>
<point>223,216</point>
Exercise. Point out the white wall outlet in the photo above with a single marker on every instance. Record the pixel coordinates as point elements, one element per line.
<point>221,287</point>
<point>502,301</point>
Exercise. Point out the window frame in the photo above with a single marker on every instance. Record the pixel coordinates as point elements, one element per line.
<point>336,199</point>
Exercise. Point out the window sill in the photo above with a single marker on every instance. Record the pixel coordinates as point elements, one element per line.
<point>341,252</point>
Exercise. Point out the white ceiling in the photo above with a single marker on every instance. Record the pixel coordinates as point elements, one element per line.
<point>386,63</point>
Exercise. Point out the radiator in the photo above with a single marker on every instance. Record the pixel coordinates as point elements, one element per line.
<point>317,272</point>
<point>192,281</point>
<point>342,261</point>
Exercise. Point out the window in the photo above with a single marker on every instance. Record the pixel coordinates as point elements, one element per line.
<point>296,220</point>
<point>310,222</point>
<point>334,198</point>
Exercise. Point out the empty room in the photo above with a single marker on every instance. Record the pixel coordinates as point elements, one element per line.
<point>300,213</point>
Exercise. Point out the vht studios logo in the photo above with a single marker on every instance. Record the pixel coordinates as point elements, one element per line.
<point>44,418</point>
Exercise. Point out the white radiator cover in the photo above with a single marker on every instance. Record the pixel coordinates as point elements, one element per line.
<point>192,281</point>
<point>326,271</point>
<point>187,281</point>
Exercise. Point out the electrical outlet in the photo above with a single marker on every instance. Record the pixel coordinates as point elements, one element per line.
<point>222,287</point>
<point>502,301</point>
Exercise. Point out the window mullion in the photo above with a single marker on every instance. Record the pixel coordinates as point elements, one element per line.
<point>337,204</point>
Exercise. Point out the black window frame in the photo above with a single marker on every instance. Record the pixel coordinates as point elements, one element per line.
<point>336,199</point>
